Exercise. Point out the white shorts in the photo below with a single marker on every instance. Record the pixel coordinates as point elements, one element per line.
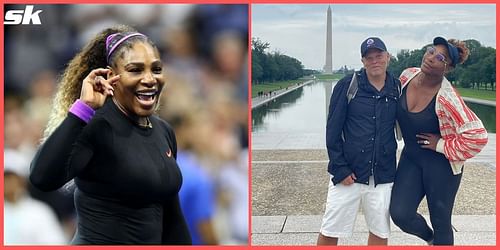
<point>342,205</point>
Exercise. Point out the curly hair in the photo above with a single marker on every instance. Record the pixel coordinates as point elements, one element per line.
<point>91,57</point>
<point>463,51</point>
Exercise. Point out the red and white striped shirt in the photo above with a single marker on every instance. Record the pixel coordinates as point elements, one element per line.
<point>462,133</point>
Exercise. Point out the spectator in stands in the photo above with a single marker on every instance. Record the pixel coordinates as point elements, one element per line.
<point>26,221</point>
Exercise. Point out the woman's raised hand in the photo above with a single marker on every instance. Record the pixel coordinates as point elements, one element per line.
<point>95,87</point>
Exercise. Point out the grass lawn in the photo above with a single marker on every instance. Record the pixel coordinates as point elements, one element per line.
<point>477,93</point>
<point>266,87</point>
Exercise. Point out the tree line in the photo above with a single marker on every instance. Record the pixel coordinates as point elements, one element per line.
<point>479,71</point>
<point>273,67</point>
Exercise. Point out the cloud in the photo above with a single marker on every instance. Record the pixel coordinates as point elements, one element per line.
<point>300,30</point>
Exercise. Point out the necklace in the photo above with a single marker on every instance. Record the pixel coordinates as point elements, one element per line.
<point>148,122</point>
<point>147,125</point>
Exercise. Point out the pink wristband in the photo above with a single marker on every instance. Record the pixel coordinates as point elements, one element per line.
<point>82,110</point>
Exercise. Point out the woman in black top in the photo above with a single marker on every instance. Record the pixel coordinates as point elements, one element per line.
<point>120,155</point>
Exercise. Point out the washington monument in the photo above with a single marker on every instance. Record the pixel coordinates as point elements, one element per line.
<point>327,69</point>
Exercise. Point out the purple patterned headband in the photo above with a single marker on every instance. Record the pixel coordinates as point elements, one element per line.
<point>115,44</point>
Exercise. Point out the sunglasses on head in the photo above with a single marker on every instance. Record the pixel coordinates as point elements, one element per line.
<point>440,57</point>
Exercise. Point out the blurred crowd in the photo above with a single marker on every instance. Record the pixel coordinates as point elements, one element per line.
<point>205,52</point>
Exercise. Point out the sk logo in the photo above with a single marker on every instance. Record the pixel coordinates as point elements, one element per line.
<point>23,17</point>
<point>169,153</point>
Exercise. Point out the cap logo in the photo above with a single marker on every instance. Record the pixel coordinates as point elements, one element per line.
<point>369,41</point>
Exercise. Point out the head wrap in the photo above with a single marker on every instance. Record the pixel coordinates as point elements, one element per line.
<point>113,41</point>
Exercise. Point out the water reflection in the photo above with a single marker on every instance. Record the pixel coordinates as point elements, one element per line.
<point>300,111</point>
<point>273,108</point>
<point>487,114</point>
<point>303,111</point>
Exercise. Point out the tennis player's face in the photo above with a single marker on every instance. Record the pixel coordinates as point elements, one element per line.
<point>436,60</point>
<point>141,79</point>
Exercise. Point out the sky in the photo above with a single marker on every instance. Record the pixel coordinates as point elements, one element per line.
<point>299,30</point>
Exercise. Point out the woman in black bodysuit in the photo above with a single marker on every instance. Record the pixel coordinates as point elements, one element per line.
<point>103,134</point>
<point>440,132</point>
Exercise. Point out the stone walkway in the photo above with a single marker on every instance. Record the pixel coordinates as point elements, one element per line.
<point>289,188</point>
<point>303,230</point>
<point>261,100</point>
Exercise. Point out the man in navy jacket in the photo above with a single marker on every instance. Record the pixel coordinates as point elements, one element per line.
<point>361,147</point>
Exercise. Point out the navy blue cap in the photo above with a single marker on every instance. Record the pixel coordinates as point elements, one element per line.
<point>372,42</point>
<point>452,50</point>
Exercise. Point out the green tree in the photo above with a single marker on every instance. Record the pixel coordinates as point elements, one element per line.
<point>257,70</point>
<point>270,67</point>
<point>478,70</point>
<point>258,58</point>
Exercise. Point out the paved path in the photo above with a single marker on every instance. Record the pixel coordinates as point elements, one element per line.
<point>288,141</point>
<point>480,101</point>
<point>258,101</point>
<point>289,188</point>
<point>303,230</point>
<point>285,140</point>
<point>288,200</point>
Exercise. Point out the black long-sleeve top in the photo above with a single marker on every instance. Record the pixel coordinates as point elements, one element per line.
<point>126,176</point>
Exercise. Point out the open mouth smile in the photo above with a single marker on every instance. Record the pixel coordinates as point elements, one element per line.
<point>146,98</point>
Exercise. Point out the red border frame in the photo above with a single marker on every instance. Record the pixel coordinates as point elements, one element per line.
<point>250,2</point>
